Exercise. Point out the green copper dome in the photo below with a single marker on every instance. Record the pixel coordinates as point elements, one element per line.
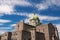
<point>34,17</point>
<point>34,20</point>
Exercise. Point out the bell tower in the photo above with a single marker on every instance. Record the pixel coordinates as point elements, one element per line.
<point>34,20</point>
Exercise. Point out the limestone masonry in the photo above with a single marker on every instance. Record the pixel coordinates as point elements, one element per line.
<point>34,30</point>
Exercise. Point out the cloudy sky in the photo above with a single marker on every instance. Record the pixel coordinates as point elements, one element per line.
<point>14,11</point>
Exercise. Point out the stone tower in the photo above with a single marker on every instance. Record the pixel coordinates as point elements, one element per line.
<point>34,20</point>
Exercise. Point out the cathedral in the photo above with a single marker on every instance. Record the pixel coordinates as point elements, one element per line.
<point>33,30</point>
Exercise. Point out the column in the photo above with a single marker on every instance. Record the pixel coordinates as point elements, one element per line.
<point>33,34</point>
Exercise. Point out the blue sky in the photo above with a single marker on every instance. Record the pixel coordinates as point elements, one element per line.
<point>14,11</point>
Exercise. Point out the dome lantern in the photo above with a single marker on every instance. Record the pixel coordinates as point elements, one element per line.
<point>34,20</point>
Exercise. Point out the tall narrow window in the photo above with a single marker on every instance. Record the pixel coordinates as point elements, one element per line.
<point>18,26</point>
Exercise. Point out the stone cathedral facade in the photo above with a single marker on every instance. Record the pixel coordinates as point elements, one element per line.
<point>33,30</point>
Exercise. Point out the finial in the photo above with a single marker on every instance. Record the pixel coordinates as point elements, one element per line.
<point>34,13</point>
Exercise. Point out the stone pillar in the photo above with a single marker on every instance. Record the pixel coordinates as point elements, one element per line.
<point>19,35</point>
<point>33,34</point>
<point>52,37</point>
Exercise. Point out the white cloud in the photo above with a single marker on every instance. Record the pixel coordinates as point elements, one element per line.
<point>15,2</point>
<point>22,3</point>
<point>5,28</point>
<point>58,27</point>
<point>2,31</point>
<point>13,25</point>
<point>5,9</point>
<point>42,6</point>
<point>26,20</point>
<point>4,21</point>
<point>23,14</point>
<point>47,18</point>
<point>47,3</point>
<point>53,2</point>
<point>7,6</point>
